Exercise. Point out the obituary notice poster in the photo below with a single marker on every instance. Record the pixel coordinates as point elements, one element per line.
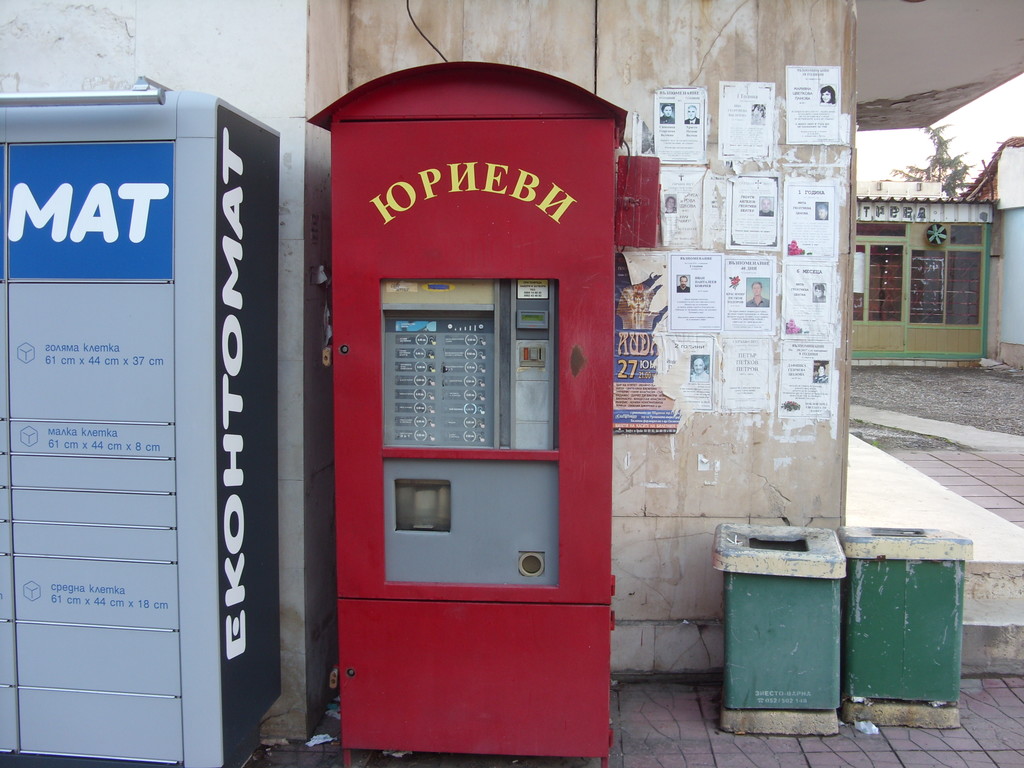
<point>695,292</point>
<point>812,220</point>
<point>753,221</point>
<point>696,354</point>
<point>746,120</point>
<point>681,124</point>
<point>808,299</point>
<point>747,366</point>
<point>749,294</point>
<point>682,202</point>
<point>806,384</point>
<point>812,105</point>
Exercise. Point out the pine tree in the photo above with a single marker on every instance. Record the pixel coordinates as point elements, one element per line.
<point>943,167</point>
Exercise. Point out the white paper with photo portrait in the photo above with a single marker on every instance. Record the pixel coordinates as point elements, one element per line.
<point>812,105</point>
<point>680,118</point>
<point>682,202</point>
<point>747,365</point>
<point>695,291</point>
<point>746,120</point>
<point>753,213</point>
<point>808,300</point>
<point>693,366</point>
<point>749,294</point>
<point>812,220</point>
<point>807,385</point>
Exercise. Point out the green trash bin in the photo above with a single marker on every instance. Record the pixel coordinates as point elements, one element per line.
<point>903,625</point>
<point>782,626</point>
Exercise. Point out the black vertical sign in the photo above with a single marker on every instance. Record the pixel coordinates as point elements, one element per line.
<point>246,384</point>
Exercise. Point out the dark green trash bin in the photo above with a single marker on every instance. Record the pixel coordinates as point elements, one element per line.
<point>903,625</point>
<point>782,617</point>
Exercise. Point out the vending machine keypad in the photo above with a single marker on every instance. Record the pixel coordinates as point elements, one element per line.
<point>439,381</point>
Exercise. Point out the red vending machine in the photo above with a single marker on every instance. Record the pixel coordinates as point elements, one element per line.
<point>473,209</point>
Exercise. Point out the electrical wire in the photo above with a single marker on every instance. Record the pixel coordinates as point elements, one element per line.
<point>409,11</point>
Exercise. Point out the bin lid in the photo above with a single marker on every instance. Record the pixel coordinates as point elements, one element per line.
<point>779,550</point>
<point>865,543</point>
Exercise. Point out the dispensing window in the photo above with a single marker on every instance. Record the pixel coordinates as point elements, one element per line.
<point>423,505</point>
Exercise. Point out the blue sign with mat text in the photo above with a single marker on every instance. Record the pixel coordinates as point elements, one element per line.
<point>99,211</point>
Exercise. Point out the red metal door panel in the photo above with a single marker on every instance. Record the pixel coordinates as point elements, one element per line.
<point>482,230</point>
<point>474,677</point>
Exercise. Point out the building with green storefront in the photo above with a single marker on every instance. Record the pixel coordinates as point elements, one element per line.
<point>921,272</point>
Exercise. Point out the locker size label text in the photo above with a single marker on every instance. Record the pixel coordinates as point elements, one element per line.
<point>121,440</point>
<point>96,592</point>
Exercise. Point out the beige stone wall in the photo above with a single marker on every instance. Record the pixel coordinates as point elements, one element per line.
<point>670,492</point>
<point>553,36</point>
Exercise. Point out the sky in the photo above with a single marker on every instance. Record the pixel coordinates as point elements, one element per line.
<point>977,130</point>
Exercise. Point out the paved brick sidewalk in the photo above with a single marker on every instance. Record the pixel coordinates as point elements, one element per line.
<point>994,481</point>
<point>665,725</point>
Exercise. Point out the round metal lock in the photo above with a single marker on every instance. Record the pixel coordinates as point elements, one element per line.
<point>531,563</point>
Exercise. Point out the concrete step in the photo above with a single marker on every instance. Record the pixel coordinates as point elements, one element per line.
<point>993,642</point>
<point>1002,580</point>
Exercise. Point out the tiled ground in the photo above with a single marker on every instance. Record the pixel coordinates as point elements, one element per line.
<point>663,725</point>
<point>994,481</point>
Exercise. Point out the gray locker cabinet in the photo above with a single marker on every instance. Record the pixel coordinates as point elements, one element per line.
<point>138,520</point>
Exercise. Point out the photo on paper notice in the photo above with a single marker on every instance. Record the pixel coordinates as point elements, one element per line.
<point>695,298</point>
<point>807,385</point>
<point>682,202</point>
<point>749,295</point>
<point>808,300</point>
<point>693,357</point>
<point>681,124</point>
<point>746,120</point>
<point>812,220</point>
<point>753,207</point>
<point>812,105</point>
